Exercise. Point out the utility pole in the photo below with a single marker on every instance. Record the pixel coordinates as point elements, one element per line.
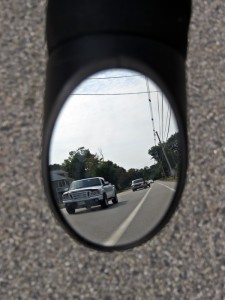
<point>160,163</point>
<point>172,171</point>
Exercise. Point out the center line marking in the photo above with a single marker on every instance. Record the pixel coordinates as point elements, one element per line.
<point>114,238</point>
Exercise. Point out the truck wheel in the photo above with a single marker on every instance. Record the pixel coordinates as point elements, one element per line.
<point>115,199</point>
<point>70,210</point>
<point>88,207</point>
<point>104,203</point>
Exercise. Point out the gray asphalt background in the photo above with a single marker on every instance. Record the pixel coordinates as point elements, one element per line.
<point>37,259</point>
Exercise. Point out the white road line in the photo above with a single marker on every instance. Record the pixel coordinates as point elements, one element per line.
<point>166,186</point>
<point>114,238</point>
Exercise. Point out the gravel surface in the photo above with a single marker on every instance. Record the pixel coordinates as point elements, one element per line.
<point>37,259</point>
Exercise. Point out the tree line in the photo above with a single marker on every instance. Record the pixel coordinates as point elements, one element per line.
<point>84,164</point>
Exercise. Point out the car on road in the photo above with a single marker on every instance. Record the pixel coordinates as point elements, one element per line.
<point>139,183</point>
<point>89,192</point>
<point>150,181</point>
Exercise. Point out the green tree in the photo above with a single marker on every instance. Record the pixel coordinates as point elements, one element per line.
<point>54,167</point>
<point>172,150</point>
<point>81,164</point>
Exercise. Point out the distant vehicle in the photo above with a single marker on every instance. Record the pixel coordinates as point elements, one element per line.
<point>89,192</point>
<point>139,183</point>
<point>150,181</point>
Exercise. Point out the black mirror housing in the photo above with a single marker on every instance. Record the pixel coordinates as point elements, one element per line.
<point>85,37</point>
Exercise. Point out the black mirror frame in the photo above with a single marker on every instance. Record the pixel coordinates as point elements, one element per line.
<point>83,53</point>
<point>135,63</point>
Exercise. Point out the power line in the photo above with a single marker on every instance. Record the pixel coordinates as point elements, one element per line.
<point>162,116</point>
<point>158,113</point>
<point>116,94</point>
<point>160,164</point>
<point>151,111</point>
<point>172,171</point>
<point>112,77</point>
<point>168,125</point>
<point>167,115</point>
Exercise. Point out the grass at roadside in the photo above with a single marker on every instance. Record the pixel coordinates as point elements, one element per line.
<point>61,205</point>
<point>172,179</point>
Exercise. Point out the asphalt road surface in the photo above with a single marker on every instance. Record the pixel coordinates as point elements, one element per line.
<point>134,216</point>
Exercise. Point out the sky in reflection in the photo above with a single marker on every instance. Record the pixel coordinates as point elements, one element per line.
<point>118,126</point>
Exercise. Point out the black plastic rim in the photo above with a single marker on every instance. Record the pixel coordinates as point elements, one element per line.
<point>122,62</point>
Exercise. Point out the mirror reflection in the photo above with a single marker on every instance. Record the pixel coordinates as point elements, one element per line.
<point>114,157</point>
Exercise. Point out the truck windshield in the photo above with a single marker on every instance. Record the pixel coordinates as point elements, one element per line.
<point>79,184</point>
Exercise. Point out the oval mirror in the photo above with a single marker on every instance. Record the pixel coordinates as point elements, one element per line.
<point>115,159</point>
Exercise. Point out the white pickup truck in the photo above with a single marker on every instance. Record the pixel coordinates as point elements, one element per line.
<point>89,192</point>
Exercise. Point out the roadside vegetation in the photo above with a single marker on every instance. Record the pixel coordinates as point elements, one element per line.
<point>81,163</point>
